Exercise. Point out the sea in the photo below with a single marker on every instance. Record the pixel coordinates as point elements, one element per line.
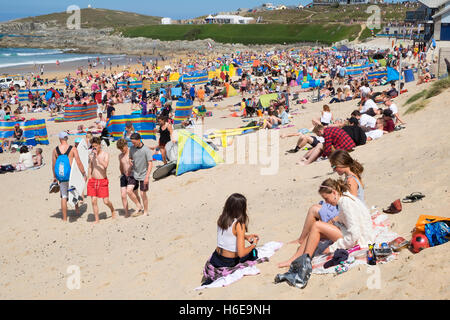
<point>11,57</point>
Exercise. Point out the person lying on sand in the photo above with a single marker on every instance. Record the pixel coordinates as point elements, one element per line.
<point>352,225</point>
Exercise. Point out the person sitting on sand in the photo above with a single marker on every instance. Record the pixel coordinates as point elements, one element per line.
<point>37,158</point>
<point>355,132</point>
<point>352,226</point>
<point>16,138</point>
<point>98,184</point>
<point>272,121</point>
<point>25,159</point>
<point>388,123</point>
<point>366,122</point>
<point>393,107</point>
<point>326,117</point>
<point>125,170</point>
<point>342,163</point>
<point>335,138</point>
<point>425,77</point>
<point>232,226</point>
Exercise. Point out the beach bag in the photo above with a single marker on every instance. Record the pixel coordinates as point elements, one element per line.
<point>62,165</point>
<point>425,219</point>
<point>437,232</point>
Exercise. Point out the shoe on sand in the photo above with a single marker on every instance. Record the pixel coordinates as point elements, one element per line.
<point>138,213</point>
<point>54,187</point>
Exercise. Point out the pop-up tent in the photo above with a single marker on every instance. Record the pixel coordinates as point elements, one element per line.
<point>265,99</point>
<point>194,153</point>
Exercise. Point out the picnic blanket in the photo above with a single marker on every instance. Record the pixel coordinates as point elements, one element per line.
<point>381,224</point>
<point>225,276</point>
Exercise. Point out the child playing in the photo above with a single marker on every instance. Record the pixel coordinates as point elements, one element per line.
<point>231,228</point>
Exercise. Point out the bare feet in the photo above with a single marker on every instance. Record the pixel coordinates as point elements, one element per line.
<point>114,214</point>
<point>284,264</point>
<point>296,241</point>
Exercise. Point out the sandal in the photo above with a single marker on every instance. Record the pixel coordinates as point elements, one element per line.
<point>394,208</point>
<point>137,214</point>
<point>413,197</point>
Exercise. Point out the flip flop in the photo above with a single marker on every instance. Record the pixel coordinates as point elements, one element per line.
<point>54,187</point>
<point>138,213</point>
<point>413,197</point>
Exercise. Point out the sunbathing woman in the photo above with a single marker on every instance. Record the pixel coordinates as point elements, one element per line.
<point>231,228</point>
<point>353,225</point>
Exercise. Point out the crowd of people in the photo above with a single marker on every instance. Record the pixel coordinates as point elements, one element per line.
<point>341,217</point>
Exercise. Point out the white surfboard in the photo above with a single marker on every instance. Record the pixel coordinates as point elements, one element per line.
<point>76,180</point>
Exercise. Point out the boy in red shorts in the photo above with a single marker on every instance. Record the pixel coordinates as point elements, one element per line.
<point>97,186</point>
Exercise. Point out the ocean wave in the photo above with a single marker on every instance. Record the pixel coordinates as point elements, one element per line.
<point>30,54</point>
<point>53,61</point>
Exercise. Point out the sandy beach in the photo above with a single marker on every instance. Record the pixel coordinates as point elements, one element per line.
<point>161,256</point>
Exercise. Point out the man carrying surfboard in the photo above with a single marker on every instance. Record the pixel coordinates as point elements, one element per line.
<point>98,184</point>
<point>64,149</point>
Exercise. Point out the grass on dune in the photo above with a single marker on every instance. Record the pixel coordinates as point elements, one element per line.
<point>416,106</point>
<point>438,87</point>
<point>417,96</point>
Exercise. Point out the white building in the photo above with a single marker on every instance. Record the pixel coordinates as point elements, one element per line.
<point>228,19</point>
<point>442,21</point>
<point>166,21</point>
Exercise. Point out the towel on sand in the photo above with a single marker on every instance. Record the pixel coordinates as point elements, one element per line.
<point>381,225</point>
<point>226,276</point>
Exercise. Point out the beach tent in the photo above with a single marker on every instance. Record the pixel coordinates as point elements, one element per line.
<point>144,125</point>
<point>194,153</point>
<point>174,76</point>
<point>80,112</point>
<point>23,93</point>
<point>183,110</point>
<point>265,99</point>
<point>230,91</point>
<point>344,49</point>
<point>52,93</point>
<point>34,131</point>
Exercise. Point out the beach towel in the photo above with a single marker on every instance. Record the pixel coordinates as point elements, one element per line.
<point>225,276</point>
<point>381,225</point>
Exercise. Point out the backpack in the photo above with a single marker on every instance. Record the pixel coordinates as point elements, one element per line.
<point>62,165</point>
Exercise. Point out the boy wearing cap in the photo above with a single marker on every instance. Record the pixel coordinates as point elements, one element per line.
<point>141,158</point>
<point>72,153</point>
<point>98,184</point>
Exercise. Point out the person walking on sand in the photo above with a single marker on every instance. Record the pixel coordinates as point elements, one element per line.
<point>125,170</point>
<point>98,184</point>
<point>61,169</point>
<point>141,158</point>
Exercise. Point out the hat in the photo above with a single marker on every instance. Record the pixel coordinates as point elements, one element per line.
<point>135,136</point>
<point>17,125</point>
<point>63,135</point>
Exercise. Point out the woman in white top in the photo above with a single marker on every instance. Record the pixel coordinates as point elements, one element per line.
<point>231,227</point>
<point>25,159</point>
<point>325,118</point>
<point>352,226</point>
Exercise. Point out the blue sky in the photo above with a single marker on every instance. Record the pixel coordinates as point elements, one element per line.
<point>177,9</point>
